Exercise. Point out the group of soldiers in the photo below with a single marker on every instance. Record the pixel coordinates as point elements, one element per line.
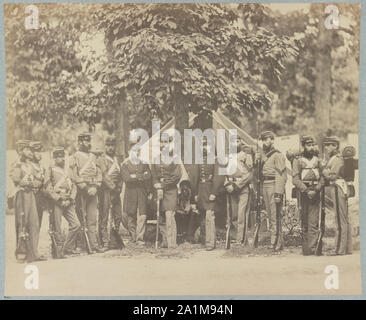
<point>87,193</point>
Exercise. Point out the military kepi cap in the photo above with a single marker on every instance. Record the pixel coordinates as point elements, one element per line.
<point>84,136</point>
<point>331,140</point>
<point>21,144</point>
<point>35,145</point>
<point>58,152</point>
<point>110,140</point>
<point>266,134</point>
<point>307,139</point>
<point>349,152</point>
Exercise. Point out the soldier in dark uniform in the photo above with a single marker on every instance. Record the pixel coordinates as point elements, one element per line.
<point>165,178</point>
<point>39,173</point>
<point>62,191</point>
<point>110,200</point>
<point>205,184</point>
<point>336,189</point>
<point>87,176</point>
<point>274,177</point>
<point>308,181</point>
<point>26,215</point>
<point>237,185</point>
<point>137,178</point>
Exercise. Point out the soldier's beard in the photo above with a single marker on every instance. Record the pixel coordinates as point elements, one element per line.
<point>267,148</point>
<point>61,164</point>
<point>84,148</point>
<point>309,153</point>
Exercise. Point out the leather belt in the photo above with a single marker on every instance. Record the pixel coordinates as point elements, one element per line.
<point>204,180</point>
<point>269,178</point>
<point>310,183</point>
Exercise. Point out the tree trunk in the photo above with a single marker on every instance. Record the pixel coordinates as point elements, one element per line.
<point>121,127</point>
<point>323,79</point>
<point>181,119</point>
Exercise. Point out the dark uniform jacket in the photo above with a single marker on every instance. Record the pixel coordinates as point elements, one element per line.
<point>168,176</point>
<point>205,180</point>
<point>137,178</point>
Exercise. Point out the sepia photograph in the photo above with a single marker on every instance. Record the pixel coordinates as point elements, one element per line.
<point>182,150</point>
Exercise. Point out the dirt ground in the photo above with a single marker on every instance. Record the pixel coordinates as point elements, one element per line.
<point>187,270</point>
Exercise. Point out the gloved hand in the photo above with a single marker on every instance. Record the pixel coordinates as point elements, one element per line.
<point>311,194</point>
<point>160,194</point>
<point>65,203</point>
<point>278,197</point>
<point>229,188</point>
<point>196,198</point>
<point>82,185</point>
<point>257,157</point>
<point>212,197</point>
<point>92,191</point>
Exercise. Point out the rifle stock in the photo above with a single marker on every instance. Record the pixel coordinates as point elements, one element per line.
<point>228,221</point>
<point>85,233</point>
<point>318,249</point>
<point>56,249</point>
<point>114,232</point>
<point>258,207</point>
<point>22,249</point>
<point>157,222</point>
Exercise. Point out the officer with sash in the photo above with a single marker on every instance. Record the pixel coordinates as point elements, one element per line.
<point>87,176</point>
<point>337,190</point>
<point>205,183</point>
<point>165,177</point>
<point>110,200</point>
<point>26,215</point>
<point>274,177</point>
<point>137,178</point>
<point>62,191</point>
<point>39,173</point>
<point>308,182</point>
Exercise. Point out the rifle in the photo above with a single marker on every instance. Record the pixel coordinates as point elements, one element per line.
<point>318,249</point>
<point>23,236</point>
<point>228,221</point>
<point>278,242</point>
<point>56,249</point>
<point>84,230</point>
<point>258,198</point>
<point>157,222</point>
<point>115,233</point>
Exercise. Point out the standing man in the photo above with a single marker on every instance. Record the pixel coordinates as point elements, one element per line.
<point>274,177</point>
<point>336,189</point>
<point>308,181</point>
<point>87,176</point>
<point>165,177</point>
<point>62,191</point>
<point>39,173</point>
<point>137,178</point>
<point>26,215</point>
<point>238,189</point>
<point>110,201</point>
<point>205,182</point>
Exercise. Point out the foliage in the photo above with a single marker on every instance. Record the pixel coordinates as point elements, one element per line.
<point>193,54</point>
